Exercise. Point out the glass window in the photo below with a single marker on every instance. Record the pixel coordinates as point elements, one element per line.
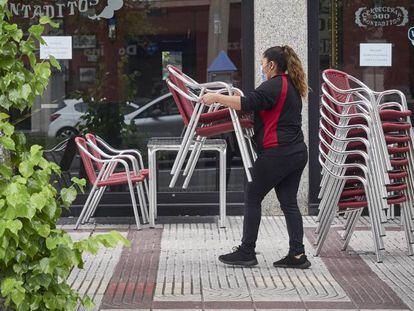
<point>369,40</point>
<point>164,107</point>
<point>81,107</point>
<point>118,58</point>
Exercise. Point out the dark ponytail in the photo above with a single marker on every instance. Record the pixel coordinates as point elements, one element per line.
<point>287,60</point>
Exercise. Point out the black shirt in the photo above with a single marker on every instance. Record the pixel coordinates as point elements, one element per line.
<point>277,124</point>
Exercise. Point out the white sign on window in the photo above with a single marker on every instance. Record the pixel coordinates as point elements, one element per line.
<point>59,47</point>
<point>375,54</point>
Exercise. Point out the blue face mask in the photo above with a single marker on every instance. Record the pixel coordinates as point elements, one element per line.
<point>262,74</point>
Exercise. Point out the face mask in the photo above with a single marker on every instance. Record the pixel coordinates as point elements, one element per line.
<point>262,74</point>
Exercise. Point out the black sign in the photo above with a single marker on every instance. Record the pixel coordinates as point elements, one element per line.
<point>381,16</point>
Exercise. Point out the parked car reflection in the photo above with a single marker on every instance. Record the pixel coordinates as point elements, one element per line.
<point>159,117</point>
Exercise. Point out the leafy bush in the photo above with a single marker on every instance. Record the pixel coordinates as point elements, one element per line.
<point>35,256</point>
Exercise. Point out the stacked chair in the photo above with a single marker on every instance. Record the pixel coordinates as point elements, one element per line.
<point>202,122</point>
<point>106,166</point>
<point>367,157</point>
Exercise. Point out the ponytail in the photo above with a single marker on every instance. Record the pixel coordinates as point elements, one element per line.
<point>287,60</point>
<point>295,70</point>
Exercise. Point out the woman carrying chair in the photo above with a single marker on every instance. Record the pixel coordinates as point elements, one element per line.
<point>282,153</point>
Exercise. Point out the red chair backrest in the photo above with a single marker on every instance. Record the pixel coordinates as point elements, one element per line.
<point>332,105</point>
<point>341,81</point>
<point>92,138</point>
<point>185,106</point>
<point>86,160</point>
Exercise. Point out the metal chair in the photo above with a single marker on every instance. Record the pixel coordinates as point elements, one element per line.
<point>108,177</point>
<point>201,124</point>
<point>131,155</point>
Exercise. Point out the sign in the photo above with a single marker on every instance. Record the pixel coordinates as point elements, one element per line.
<point>375,55</point>
<point>61,9</point>
<point>381,16</point>
<point>59,47</point>
<point>411,34</point>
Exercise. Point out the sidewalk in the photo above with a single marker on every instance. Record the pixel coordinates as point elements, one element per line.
<point>175,267</point>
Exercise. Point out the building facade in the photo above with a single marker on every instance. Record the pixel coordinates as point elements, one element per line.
<point>119,49</point>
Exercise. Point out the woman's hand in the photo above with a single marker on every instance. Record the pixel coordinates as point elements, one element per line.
<point>209,99</point>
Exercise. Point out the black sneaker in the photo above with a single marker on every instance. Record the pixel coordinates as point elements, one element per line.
<point>291,261</point>
<point>239,257</point>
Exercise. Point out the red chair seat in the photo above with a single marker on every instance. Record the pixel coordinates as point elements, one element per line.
<point>222,128</point>
<point>391,150</point>
<point>120,179</point>
<point>394,139</point>
<point>208,117</point>
<point>395,150</point>
<point>386,126</point>
<point>399,162</point>
<point>359,190</point>
<point>397,199</point>
<point>388,114</point>
<point>144,172</point>
<point>397,174</point>
<point>395,126</point>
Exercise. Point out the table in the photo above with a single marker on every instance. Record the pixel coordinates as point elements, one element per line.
<point>173,144</point>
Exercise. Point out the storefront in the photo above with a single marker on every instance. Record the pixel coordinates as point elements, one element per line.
<point>114,54</point>
<point>120,47</point>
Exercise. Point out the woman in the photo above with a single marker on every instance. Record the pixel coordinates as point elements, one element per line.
<point>282,153</point>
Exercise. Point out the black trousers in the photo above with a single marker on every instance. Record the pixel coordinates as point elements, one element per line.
<point>281,171</point>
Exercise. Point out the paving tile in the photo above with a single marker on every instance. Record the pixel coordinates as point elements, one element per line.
<point>175,267</point>
<point>396,270</point>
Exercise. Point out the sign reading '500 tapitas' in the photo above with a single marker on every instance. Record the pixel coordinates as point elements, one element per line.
<point>381,16</point>
<point>63,8</point>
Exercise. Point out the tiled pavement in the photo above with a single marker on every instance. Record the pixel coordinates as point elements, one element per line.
<point>175,267</point>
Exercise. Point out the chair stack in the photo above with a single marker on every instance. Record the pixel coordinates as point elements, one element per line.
<point>202,122</point>
<point>366,153</point>
<point>106,166</point>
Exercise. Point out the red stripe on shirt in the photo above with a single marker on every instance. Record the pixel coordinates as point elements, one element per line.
<point>271,118</point>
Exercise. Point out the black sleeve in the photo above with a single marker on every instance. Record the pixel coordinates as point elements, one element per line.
<point>264,97</point>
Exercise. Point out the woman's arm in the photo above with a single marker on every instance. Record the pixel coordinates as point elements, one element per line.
<point>225,100</point>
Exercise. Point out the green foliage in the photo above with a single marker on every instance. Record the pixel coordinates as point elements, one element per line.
<point>104,119</point>
<point>35,256</point>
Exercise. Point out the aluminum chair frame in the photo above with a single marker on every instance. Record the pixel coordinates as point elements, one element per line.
<point>194,121</point>
<point>107,169</point>
<point>380,143</point>
<point>376,99</point>
<point>339,142</point>
<point>325,223</point>
<point>139,186</point>
<point>405,206</point>
<point>198,109</point>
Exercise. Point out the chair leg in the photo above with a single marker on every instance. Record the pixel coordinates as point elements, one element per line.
<point>355,218</point>
<point>244,153</point>
<point>325,231</point>
<point>408,234</point>
<point>186,143</point>
<point>350,217</point>
<point>134,205</point>
<point>95,204</point>
<point>193,163</point>
<point>193,156</point>
<point>181,162</point>
<point>253,152</point>
<point>146,187</point>
<point>142,203</point>
<point>85,207</point>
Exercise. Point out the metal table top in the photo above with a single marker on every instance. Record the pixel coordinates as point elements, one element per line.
<point>175,142</point>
